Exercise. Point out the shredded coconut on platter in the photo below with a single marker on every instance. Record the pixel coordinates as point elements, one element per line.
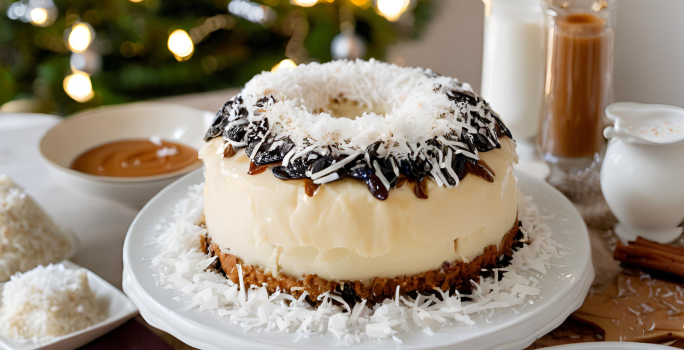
<point>28,236</point>
<point>47,302</point>
<point>183,268</point>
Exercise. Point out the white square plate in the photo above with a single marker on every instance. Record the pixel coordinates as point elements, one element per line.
<point>115,304</point>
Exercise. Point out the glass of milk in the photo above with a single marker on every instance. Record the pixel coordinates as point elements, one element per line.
<point>513,64</point>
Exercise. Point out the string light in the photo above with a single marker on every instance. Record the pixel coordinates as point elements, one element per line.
<point>284,64</point>
<point>305,3</point>
<point>252,12</point>
<point>392,9</point>
<point>80,37</point>
<point>360,3</point>
<point>136,0</point>
<point>181,45</point>
<point>39,16</point>
<point>79,87</point>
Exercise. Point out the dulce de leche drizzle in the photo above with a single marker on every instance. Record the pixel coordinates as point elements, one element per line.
<point>135,158</point>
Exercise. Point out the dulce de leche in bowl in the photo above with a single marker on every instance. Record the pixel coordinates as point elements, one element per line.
<point>135,158</point>
<point>125,153</point>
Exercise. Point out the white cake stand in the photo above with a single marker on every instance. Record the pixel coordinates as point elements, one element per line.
<point>563,289</point>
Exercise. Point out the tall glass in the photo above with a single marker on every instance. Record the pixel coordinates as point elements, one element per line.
<point>578,86</point>
<point>513,64</point>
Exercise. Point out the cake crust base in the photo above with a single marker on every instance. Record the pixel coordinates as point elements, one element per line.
<point>450,276</point>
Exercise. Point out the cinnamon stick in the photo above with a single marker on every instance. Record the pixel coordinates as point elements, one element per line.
<point>675,269</point>
<point>650,255</point>
<point>646,243</point>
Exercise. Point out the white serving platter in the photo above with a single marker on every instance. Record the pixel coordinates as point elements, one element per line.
<point>563,289</point>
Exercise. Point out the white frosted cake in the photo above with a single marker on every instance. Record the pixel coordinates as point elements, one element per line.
<point>358,177</point>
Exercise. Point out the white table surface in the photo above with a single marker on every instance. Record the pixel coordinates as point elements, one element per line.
<point>100,224</point>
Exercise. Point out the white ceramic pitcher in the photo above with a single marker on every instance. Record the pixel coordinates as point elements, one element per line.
<point>642,177</point>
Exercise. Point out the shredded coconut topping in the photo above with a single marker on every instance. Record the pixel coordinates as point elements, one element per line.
<point>405,119</point>
<point>183,268</point>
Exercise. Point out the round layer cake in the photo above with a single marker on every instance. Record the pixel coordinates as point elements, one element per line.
<point>358,177</point>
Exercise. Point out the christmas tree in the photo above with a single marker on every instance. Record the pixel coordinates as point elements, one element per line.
<point>67,55</point>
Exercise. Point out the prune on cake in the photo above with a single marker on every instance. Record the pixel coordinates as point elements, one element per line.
<point>272,150</point>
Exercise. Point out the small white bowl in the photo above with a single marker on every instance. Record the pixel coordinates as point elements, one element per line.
<point>115,305</point>
<point>83,131</point>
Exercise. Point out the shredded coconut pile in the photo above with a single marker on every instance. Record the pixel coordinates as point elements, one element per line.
<point>28,236</point>
<point>405,104</point>
<point>182,267</point>
<point>415,105</point>
<point>47,302</point>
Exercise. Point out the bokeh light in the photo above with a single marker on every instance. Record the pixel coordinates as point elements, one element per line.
<point>17,10</point>
<point>79,87</point>
<point>305,3</point>
<point>39,16</point>
<point>392,9</point>
<point>80,37</point>
<point>180,44</point>
<point>284,64</point>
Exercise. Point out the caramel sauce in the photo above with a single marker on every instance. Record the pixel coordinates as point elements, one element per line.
<point>256,169</point>
<point>420,188</point>
<point>481,169</point>
<point>310,187</point>
<point>229,151</point>
<point>135,158</point>
<point>401,181</point>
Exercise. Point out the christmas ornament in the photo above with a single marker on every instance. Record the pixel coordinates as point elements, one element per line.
<point>347,45</point>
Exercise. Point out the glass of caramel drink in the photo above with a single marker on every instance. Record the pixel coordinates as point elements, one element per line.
<point>578,86</point>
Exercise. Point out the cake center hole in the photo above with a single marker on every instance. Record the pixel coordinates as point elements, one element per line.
<point>350,109</point>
